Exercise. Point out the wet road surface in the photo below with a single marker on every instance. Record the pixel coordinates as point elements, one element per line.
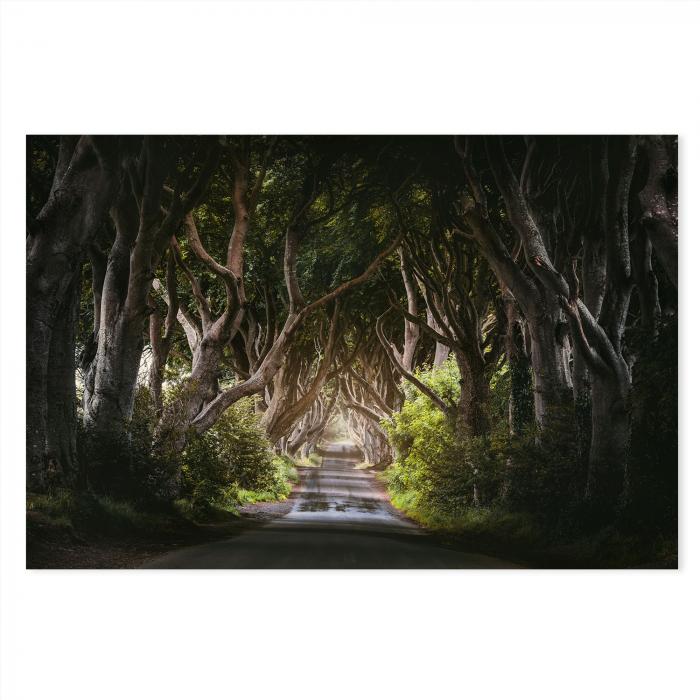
<point>340,519</point>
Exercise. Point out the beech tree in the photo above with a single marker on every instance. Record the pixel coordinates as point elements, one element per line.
<point>202,402</point>
<point>86,178</point>
<point>143,226</point>
<point>553,234</point>
<point>538,303</point>
<point>330,278</point>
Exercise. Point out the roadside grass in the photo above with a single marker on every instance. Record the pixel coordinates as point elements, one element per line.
<point>313,460</point>
<point>84,512</point>
<point>520,535</point>
<point>515,527</point>
<point>225,503</point>
<point>81,511</point>
<point>286,475</point>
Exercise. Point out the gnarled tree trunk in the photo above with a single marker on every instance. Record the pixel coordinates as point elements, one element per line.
<point>85,181</point>
<point>61,410</point>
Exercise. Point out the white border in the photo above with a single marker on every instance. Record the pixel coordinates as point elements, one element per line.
<point>345,68</point>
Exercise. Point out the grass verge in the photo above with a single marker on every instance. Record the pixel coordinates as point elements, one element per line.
<point>313,460</point>
<point>72,529</point>
<point>520,537</point>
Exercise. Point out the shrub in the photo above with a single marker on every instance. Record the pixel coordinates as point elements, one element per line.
<point>440,476</point>
<point>540,471</point>
<point>440,469</point>
<point>229,464</point>
<point>88,512</point>
<point>653,464</point>
<point>233,463</point>
<point>121,462</point>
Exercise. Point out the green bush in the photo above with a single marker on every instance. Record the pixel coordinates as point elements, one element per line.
<point>540,472</point>
<point>88,512</point>
<point>445,479</point>
<point>435,468</point>
<point>121,462</point>
<point>230,464</point>
<point>233,463</point>
<point>653,465</point>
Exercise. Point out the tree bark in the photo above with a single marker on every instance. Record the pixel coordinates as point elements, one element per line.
<point>607,468</point>
<point>111,382</point>
<point>552,386</point>
<point>520,402</point>
<point>472,407</point>
<point>61,413</point>
<point>85,182</point>
<point>162,332</point>
<point>144,230</point>
<point>551,381</point>
<point>659,210</point>
<point>411,330</point>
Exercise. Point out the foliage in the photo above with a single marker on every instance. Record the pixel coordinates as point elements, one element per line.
<point>230,464</point>
<point>529,486</point>
<point>445,479</point>
<point>540,472</point>
<point>444,470</point>
<point>87,512</point>
<point>233,463</point>
<point>122,463</point>
<point>653,503</point>
<point>345,198</point>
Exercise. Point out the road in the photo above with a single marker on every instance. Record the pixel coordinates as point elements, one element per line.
<point>340,519</point>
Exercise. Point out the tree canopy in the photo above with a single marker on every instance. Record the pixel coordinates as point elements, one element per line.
<point>512,291</point>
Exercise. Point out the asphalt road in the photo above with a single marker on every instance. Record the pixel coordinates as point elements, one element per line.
<point>340,520</point>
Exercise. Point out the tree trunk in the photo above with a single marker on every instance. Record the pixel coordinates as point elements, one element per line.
<point>582,409</point>
<point>138,245</point>
<point>550,372</point>
<point>159,357</point>
<point>162,333</point>
<point>61,410</point>
<point>472,407</point>
<point>646,284</point>
<point>111,378</point>
<point>607,469</point>
<point>550,369</point>
<point>659,204</point>
<point>411,330</point>
<point>84,185</point>
<point>593,279</point>
<point>109,405</point>
<point>199,389</point>
<point>441,351</point>
<point>520,401</point>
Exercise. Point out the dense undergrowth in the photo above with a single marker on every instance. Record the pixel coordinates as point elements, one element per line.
<point>231,465</point>
<point>526,492</point>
